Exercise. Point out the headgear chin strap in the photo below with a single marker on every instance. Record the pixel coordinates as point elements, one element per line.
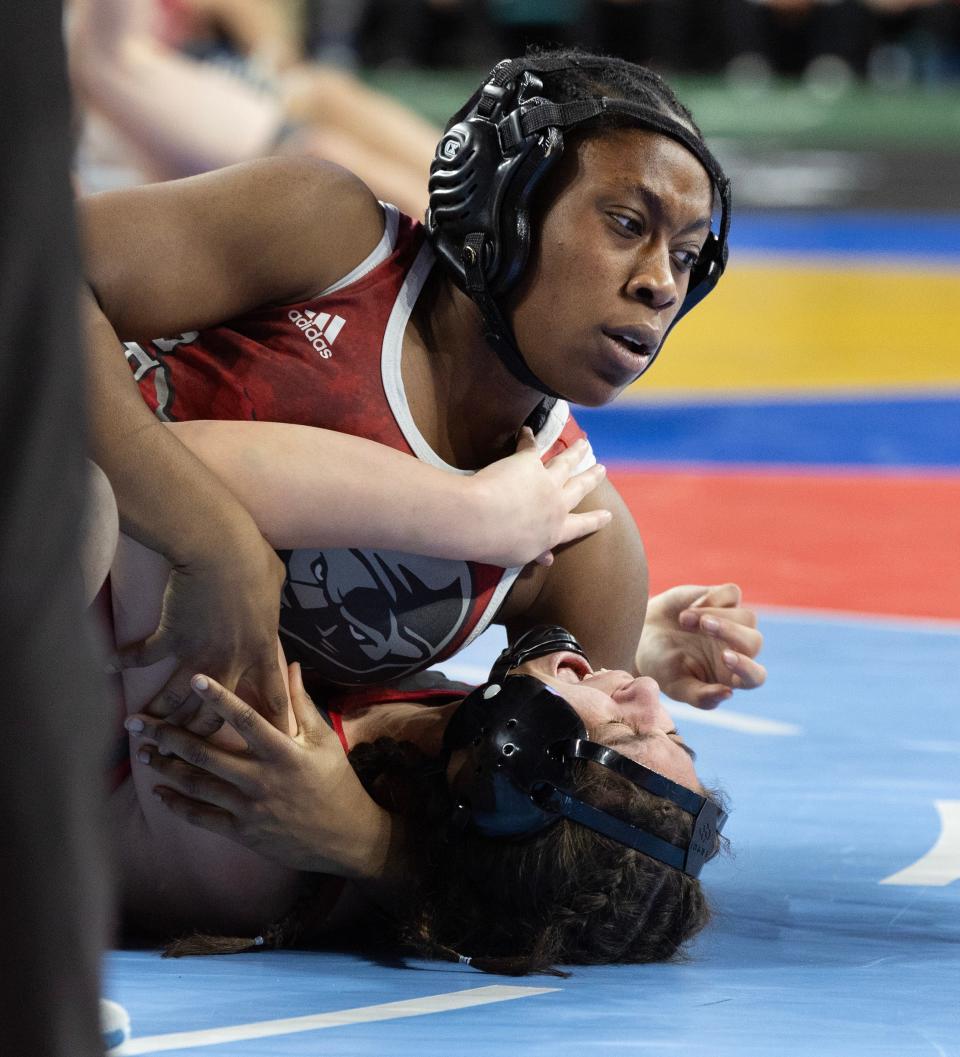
<point>537,642</point>
<point>495,151</point>
<point>521,741</point>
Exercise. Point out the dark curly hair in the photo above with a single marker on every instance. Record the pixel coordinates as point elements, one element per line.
<point>567,895</point>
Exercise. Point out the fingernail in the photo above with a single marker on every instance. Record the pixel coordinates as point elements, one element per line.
<point>134,724</point>
<point>199,682</point>
<point>731,658</point>
<point>689,620</point>
<point>605,516</point>
<point>710,624</point>
<point>601,468</point>
<point>111,668</point>
<point>143,756</point>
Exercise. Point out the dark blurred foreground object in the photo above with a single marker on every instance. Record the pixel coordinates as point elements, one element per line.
<point>51,860</point>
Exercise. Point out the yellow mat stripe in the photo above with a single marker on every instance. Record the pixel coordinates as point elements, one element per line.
<point>771,326</point>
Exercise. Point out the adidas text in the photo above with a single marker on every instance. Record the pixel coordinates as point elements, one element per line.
<point>319,328</point>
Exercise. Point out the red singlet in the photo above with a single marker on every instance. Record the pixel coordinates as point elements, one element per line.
<point>356,617</point>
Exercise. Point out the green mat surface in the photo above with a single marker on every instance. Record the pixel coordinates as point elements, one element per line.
<point>858,118</point>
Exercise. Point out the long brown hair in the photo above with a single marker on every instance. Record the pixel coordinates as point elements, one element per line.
<point>565,896</point>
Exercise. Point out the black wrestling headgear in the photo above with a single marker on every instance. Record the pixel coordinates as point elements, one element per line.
<point>522,740</point>
<point>496,150</point>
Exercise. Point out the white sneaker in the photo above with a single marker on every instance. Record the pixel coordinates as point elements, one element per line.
<point>115,1025</point>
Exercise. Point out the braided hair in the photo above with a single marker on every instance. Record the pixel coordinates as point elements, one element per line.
<point>566,895</point>
<point>589,75</point>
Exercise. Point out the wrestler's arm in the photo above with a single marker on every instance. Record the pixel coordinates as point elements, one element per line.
<point>191,253</point>
<point>596,588</point>
<point>178,256</point>
<point>698,642</point>
<point>311,487</point>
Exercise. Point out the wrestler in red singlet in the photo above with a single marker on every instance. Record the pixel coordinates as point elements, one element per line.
<point>334,361</point>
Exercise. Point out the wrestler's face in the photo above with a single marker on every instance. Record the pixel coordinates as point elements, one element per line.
<point>620,710</point>
<point>610,265</point>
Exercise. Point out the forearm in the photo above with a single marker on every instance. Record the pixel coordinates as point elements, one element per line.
<point>376,858</point>
<point>167,499</point>
<point>373,855</point>
<point>308,487</point>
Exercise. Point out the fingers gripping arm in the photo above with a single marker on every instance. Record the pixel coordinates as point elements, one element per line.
<point>295,800</point>
<point>169,501</point>
<point>309,487</point>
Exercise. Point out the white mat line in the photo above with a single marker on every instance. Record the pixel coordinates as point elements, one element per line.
<point>941,864</point>
<point>948,747</point>
<point>738,721</point>
<point>411,1007</point>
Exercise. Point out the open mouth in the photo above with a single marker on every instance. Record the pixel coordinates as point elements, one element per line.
<point>632,351</point>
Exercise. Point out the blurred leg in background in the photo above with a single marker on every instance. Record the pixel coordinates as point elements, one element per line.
<point>52,875</point>
<point>180,115</point>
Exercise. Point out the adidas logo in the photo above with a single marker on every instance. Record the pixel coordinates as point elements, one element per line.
<point>319,328</point>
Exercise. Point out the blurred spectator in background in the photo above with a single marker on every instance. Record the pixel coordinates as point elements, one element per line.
<point>890,42</point>
<point>177,88</point>
<point>912,40</point>
<point>830,43</point>
<point>670,35</point>
<point>820,40</point>
<point>331,30</point>
<point>541,22</point>
<point>436,34</point>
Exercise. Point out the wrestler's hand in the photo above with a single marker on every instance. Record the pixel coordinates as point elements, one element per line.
<point>699,643</point>
<point>295,800</point>
<point>525,506</point>
<point>220,615</point>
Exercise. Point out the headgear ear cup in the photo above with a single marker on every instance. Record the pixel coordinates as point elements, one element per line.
<point>477,187</point>
<point>510,749</point>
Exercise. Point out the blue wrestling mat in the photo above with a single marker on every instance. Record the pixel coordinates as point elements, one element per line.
<point>837,914</point>
<point>836,926</point>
